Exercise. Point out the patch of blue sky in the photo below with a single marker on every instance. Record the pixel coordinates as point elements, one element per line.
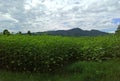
<point>116,20</point>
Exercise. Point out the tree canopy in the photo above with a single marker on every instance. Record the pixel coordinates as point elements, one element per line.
<point>29,32</point>
<point>6,32</point>
<point>118,30</point>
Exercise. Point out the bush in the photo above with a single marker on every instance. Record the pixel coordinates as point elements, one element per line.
<point>28,54</point>
<point>51,53</point>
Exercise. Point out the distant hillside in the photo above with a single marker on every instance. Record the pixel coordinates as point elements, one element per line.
<point>73,32</point>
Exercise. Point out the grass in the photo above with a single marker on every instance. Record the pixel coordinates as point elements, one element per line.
<point>97,71</point>
<point>79,71</point>
<point>50,53</point>
<point>57,58</point>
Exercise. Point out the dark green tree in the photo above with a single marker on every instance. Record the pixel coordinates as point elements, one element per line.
<point>20,33</point>
<point>6,32</point>
<point>118,30</point>
<point>29,32</point>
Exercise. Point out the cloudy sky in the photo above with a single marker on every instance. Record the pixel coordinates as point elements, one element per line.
<point>44,15</point>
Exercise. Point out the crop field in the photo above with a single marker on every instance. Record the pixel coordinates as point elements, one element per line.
<point>80,58</point>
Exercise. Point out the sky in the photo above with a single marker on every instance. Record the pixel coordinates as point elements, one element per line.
<point>44,15</point>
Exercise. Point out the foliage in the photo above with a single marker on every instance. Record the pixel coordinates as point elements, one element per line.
<point>95,71</point>
<point>118,27</point>
<point>29,32</point>
<point>117,32</point>
<point>78,71</point>
<point>6,32</point>
<point>74,32</point>
<point>19,33</point>
<point>51,53</point>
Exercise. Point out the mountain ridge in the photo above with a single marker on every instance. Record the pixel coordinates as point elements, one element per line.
<point>74,32</point>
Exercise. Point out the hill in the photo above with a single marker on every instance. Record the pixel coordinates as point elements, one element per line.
<point>73,32</point>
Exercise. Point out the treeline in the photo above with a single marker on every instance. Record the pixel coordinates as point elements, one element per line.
<point>118,30</point>
<point>7,32</point>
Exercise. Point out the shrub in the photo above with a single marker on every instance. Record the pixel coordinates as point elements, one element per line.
<point>51,53</point>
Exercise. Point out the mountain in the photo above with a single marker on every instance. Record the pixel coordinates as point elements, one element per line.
<point>74,32</point>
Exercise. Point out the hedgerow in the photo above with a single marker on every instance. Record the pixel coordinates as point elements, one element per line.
<point>51,53</point>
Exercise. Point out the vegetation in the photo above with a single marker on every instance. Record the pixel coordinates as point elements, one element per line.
<point>79,71</point>
<point>29,32</point>
<point>32,58</point>
<point>117,32</point>
<point>73,32</point>
<point>19,33</point>
<point>6,32</point>
<point>51,53</point>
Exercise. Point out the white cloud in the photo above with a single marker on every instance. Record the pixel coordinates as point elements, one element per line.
<point>29,4</point>
<point>7,17</point>
<point>42,15</point>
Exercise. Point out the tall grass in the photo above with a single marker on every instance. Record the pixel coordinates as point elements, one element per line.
<point>78,71</point>
<point>51,53</point>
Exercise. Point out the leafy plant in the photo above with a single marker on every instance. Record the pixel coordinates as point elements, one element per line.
<point>51,53</point>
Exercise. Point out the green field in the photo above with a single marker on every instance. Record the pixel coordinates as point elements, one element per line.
<point>79,71</point>
<point>57,58</point>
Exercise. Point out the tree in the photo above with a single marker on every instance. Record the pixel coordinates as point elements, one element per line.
<point>118,30</point>
<point>19,33</point>
<point>6,32</point>
<point>29,33</point>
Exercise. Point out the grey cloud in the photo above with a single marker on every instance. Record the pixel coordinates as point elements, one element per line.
<point>58,14</point>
